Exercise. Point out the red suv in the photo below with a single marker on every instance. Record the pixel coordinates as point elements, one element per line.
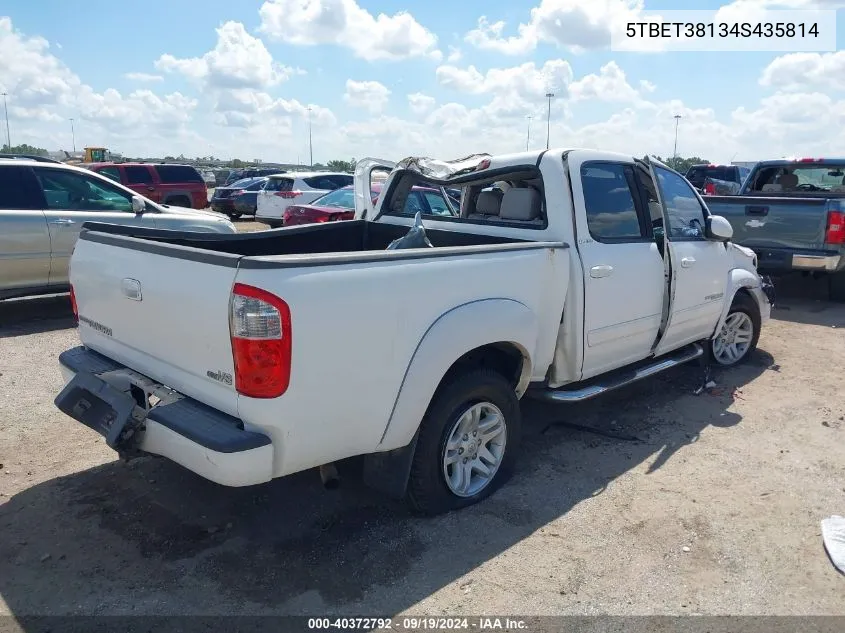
<point>177,185</point>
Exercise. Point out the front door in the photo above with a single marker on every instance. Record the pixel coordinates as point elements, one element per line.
<point>73,198</point>
<point>622,266</point>
<point>699,267</point>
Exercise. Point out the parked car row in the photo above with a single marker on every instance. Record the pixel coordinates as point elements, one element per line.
<point>44,203</point>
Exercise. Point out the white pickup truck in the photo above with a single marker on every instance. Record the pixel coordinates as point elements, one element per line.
<point>252,356</point>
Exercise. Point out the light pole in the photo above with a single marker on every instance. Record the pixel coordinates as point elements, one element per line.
<point>73,135</point>
<point>310,146</point>
<point>675,151</point>
<point>6,108</point>
<point>528,135</point>
<point>549,96</point>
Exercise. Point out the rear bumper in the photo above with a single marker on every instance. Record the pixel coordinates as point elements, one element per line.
<point>222,206</point>
<point>208,442</point>
<point>785,260</point>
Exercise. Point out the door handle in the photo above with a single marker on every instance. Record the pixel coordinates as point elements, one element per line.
<point>151,188</point>
<point>687,262</point>
<point>596,272</point>
<point>756,210</point>
<point>64,221</point>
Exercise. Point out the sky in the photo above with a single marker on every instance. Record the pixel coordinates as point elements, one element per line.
<point>390,79</point>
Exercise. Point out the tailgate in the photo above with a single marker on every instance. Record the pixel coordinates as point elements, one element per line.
<point>159,309</point>
<point>773,222</point>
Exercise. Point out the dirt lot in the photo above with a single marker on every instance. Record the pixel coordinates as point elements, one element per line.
<point>714,509</point>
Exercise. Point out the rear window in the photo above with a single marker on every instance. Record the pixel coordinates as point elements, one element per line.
<point>329,183</point>
<point>337,199</point>
<point>138,175</point>
<point>697,175</point>
<point>279,184</point>
<point>110,172</point>
<point>178,173</point>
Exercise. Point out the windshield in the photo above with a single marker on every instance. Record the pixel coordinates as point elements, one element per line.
<point>800,178</point>
<point>338,199</point>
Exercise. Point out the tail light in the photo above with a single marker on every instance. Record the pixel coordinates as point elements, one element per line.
<point>287,194</point>
<point>710,189</point>
<point>260,327</point>
<point>292,215</point>
<point>835,228</point>
<point>73,304</point>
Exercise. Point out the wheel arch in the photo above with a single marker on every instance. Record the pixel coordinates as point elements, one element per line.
<point>739,281</point>
<point>495,333</point>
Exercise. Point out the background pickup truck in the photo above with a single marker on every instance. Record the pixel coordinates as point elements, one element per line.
<point>792,213</point>
<point>225,353</point>
<point>700,176</point>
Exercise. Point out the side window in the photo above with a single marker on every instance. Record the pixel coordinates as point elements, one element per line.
<point>138,175</point>
<point>683,210</point>
<point>16,191</point>
<point>178,174</point>
<point>609,201</point>
<point>69,191</point>
<point>110,172</point>
<point>437,203</point>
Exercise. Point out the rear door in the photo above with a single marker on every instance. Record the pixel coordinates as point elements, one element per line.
<point>24,237</point>
<point>73,198</point>
<point>698,267</point>
<point>365,170</point>
<point>622,265</point>
<point>140,178</point>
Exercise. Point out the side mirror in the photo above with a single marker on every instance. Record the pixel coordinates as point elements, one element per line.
<point>138,205</point>
<point>718,228</point>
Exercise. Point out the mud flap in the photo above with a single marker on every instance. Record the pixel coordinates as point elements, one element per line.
<point>388,472</point>
<point>99,406</point>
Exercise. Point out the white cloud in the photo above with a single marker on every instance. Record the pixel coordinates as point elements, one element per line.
<point>570,24</point>
<point>454,55</point>
<point>143,77</point>
<point>647,86</point>
<point>421,103</point>
<point>345,23</point>
<point>369,95</point>
<point>238,60</point>
<point>610,84</point>
<point>800,71</point>
<point>525,80</point>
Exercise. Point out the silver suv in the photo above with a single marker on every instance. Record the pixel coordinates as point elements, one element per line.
<point>43,205</point>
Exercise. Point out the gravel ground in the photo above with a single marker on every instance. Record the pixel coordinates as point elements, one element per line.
<point>714,509</point>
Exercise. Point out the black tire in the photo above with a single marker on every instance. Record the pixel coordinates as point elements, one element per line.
<point>233,216</point>
<point>836,286</point>
<point>742,303</point>
<point>427,491</point>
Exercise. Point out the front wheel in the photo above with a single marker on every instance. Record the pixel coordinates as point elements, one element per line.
<point>739,335</point>
<point>468,442</point>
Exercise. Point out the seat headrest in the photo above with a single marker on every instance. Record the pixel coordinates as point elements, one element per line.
<point>788,180</point>
<point>488,203</point>
<point>521,204</point>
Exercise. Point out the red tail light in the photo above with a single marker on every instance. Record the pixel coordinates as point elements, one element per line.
<point>810,160</point>
<point>287,194</point>
<point>237,193</point>
<point>710,189</point>
<point>299,215</point>
<point>260,327</point>
<point>835,228</point>
<point>73,304</point>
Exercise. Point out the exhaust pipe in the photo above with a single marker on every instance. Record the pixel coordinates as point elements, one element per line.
<point>329,477</point>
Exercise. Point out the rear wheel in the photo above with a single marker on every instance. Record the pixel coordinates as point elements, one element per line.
<point>836,286</point>
<point>468,442</point>
<point>739,335</point>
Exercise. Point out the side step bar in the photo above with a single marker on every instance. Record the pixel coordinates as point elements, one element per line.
<point>603,384</point>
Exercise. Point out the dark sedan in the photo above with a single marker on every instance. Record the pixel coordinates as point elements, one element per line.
<point>239,198</point>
